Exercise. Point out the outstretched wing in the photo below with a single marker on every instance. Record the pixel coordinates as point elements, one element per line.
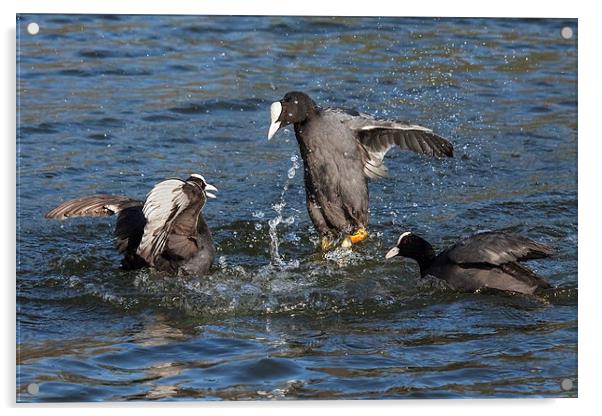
<point>92,206</point>
<point>171,211</point>
<point>497,248</point>
<point>377,137</point>
<point>130,220</point>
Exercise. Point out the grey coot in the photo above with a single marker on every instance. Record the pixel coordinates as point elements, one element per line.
<point>167,232</point>
<point>484,260</point>
<point>341,149</point>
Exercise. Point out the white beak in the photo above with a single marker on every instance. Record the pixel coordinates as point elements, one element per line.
<point>275,110</point>
<point>392,253</point>
<point>209,189</point>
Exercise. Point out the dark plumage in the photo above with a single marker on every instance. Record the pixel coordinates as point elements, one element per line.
<point>340,150</point>
<point>484,260</point>
<point>166,232</point>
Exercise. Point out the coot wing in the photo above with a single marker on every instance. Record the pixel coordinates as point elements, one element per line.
<point>496,248</point>
<point>130,219</point>
<point>129,228</point>
<point>182,241</point>
<point>169,210</point>
<point>92,206</point>
<point>378,136</point>
<point>526,276</point>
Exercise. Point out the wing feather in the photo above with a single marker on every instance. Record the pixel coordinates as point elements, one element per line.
<point>172,211</point>
<point>377,136</point>
<point>130,220</point>
<point>163,204</point>
<point>92,206</point>
<point>497,248</point>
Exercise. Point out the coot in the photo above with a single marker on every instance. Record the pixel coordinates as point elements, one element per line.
<point>340,150</point>
<point>485,260</point>
<point>166,232</point>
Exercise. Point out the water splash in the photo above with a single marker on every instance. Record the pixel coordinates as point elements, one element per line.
<point>342,256</point>
<point>278,207</point>
<point>259,215</point>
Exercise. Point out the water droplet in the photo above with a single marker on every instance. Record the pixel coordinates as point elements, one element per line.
<point>274,222</point>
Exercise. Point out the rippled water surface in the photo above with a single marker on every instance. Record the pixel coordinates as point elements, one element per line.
<point>114,104</point>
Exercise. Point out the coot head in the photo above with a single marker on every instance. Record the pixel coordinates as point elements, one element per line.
<point>412,246</point>
<point>200,181</point>
<point>295,107</point>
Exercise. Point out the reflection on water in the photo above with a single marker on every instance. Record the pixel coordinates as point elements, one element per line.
<point>114,104</point>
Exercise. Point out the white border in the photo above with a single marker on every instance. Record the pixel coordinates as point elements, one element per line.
<point>508,8</point>
<point>589,189</point>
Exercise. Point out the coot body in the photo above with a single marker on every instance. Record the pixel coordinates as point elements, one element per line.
<point>341,149</point>
<point>167,231</point>
<point>488,260</point>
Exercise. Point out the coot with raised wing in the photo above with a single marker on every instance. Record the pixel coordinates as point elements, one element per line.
<point>341,149</point>
<point>166,232</point>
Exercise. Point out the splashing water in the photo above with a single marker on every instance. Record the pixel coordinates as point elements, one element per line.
<point>279,219</point>
<point>342,256</point>
<point>259,215</point>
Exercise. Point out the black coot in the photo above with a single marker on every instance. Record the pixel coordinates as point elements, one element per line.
<point>340,150</point>
<point>484,260</point>
<point>167,232</point>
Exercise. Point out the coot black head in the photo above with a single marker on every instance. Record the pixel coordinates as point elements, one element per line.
<point>414,247</point>
<point>200,181</point>
<point>295,107</point>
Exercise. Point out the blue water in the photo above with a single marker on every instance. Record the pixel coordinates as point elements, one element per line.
<point>114,104</point>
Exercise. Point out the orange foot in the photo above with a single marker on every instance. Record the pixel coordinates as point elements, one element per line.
<point>360,235</point>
